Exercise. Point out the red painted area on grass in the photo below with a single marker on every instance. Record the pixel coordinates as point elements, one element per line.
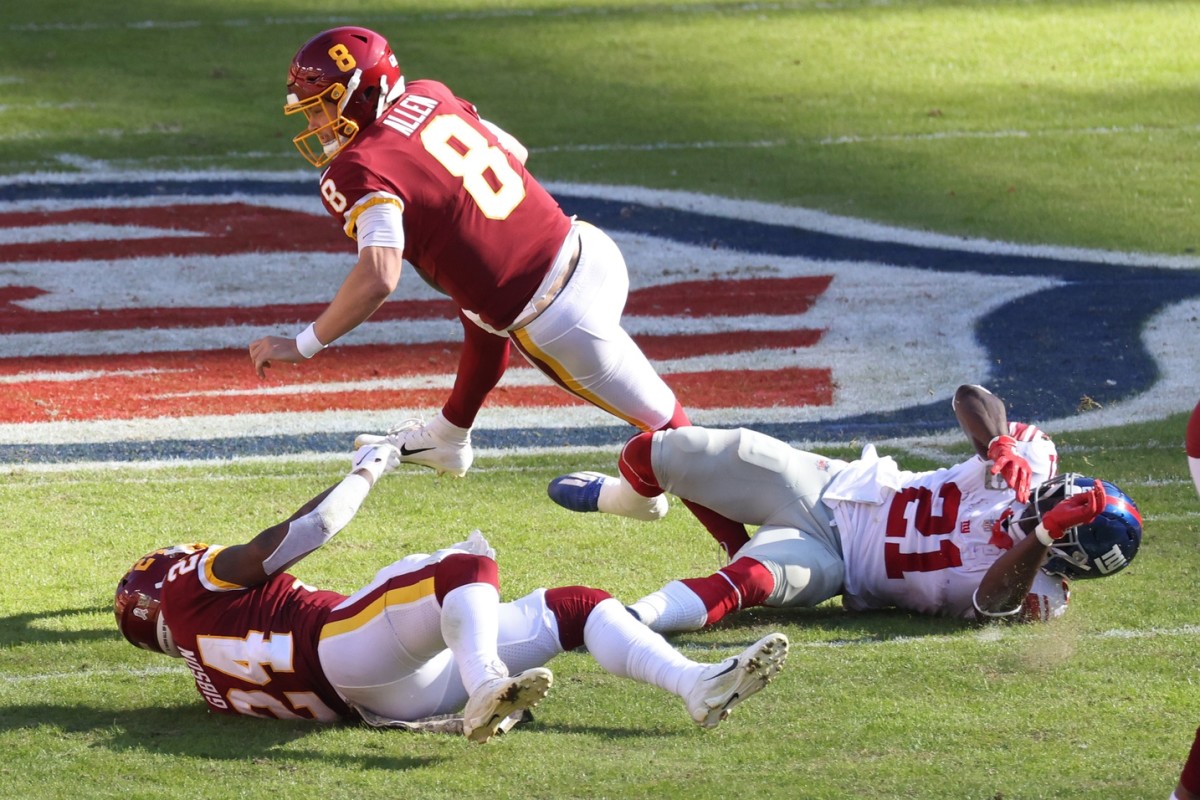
<point>732,298</point>
<point>149,380</point>
<point>182,384</point>
<point>158,396</point>
<point>15,319</point>
<point>225,227</point>
<point>690,299</point>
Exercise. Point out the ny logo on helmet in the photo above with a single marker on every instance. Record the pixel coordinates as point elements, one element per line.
<point>1111,561</point>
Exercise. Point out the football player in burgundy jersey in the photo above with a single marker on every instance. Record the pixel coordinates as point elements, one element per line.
<point>413,173</point>
<point>972,541</point>
<point>427,638</point>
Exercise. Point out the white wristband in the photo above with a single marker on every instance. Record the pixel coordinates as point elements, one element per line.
<point>1043,535</point>
<point>993,614</point>
<point>307,342</point>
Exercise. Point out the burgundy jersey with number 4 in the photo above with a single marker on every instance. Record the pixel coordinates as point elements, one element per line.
<point>251,650</point>
<point>475,222</point>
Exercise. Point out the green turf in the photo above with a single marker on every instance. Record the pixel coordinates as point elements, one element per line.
<point>1046,122</point>
<point>1099,704</point>
<point>1049,122</point>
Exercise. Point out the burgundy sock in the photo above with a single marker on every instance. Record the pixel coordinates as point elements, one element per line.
<point>634,464</point>
<point>480,367</point>
<point>743,584</point>
<point>730,534</point>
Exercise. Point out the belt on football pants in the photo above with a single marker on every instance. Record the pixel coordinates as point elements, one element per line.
<point>551,294</point>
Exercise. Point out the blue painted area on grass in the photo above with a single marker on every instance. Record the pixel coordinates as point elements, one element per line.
<point>1048,349</point>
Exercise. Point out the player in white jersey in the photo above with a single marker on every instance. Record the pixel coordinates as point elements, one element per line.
<point>968,541</point>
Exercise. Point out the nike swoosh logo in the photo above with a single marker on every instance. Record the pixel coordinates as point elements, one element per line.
<point>732,666</point>
<point>404,451</point>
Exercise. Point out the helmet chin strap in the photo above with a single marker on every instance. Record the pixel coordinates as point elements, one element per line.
<point>351,86</point>
<point>166,642</point>
<point>387,96</point>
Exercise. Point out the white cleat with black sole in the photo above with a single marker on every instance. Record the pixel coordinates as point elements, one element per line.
<point>722,686</point>
<point>498,699</point>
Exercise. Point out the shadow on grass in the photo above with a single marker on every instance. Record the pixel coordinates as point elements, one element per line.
<point>191,731</point>
<point>26,628</point>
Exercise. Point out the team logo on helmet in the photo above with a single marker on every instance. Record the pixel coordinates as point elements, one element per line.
<point>1102,547</point>
<point>342,80</point>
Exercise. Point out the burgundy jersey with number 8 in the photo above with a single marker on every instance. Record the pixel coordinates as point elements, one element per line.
<point>475,222</point>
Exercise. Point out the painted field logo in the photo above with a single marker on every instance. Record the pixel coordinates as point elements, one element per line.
<point>126,305</point>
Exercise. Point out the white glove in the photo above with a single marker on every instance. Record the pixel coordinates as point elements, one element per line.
<point>377,459</point>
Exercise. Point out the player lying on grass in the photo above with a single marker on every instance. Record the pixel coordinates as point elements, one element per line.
<point>428,637</point>
<point>969,541</point>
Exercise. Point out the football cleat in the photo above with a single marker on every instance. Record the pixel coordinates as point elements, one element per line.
<point>420,444</point>
<point>493,703</point>
<point>595,491</point>
<point>722,686</point>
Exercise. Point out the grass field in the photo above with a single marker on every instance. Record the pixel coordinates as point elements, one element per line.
<point>1066,123</point>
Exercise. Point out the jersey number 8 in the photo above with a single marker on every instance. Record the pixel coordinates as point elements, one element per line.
<point>496,198</point>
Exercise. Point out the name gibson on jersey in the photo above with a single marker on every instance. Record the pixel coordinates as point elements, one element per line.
<point>409,113</point>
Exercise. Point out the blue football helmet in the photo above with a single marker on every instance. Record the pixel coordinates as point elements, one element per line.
<point>1098,548</point>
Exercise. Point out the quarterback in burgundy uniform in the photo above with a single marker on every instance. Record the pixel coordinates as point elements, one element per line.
<point>426,643</point>
<point>413,173</point>
<point>970,541</point>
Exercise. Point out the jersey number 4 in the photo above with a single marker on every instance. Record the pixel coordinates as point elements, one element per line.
<point>247,659</point>
<point>916,505</point>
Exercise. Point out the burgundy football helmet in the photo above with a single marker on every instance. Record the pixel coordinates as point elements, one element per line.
<point>342,80</point>
<point>138,596</point>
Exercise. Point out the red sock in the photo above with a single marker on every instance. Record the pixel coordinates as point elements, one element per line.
<point>678,420</point>
<point>730,534</point>
<point>743,584</point>
<point>634,465</point>
<point>480,367</point>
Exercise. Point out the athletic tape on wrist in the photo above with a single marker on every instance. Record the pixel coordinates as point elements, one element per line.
<point>307,342</point>
<point>1043,535</point>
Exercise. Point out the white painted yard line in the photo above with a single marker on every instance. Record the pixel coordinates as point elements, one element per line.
<point>82,375</point>
<point>88,232</point>
<point>162,464</point>
<point>146,467</point>
<point>842,140</point>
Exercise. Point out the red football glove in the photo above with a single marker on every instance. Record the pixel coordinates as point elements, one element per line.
<point>1013,468</point>
<point>1078,509</point>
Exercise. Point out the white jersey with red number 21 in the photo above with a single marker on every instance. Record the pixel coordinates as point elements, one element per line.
<point>923,540</point>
